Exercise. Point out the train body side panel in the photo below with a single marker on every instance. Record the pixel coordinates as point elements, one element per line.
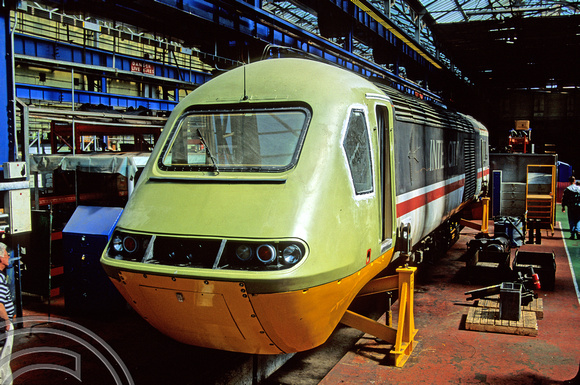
<point>482,155</point>
<point>437,159</point>
<point>431,179</point>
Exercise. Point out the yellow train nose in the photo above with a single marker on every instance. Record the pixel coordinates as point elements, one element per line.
<point>224,315</point>
<point>211,314</point>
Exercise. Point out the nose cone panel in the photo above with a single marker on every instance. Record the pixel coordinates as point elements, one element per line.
<point>210,314</point>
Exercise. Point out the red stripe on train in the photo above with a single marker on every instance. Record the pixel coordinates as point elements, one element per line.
<point>481,174</point>
<point>421,200</point>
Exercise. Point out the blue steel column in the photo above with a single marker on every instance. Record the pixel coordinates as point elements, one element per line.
<point>7,150</point>
<point>348,41</point>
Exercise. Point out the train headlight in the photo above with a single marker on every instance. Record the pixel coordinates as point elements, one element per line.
<point>266,253</point>
<point>291,254</point>
<point>117,243</point>
<point>130,247</point>
<point>244,252</point>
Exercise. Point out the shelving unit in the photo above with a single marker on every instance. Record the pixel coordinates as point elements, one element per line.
<point>541,196</point>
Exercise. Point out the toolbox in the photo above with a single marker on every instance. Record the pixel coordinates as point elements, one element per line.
<point>544,264</point>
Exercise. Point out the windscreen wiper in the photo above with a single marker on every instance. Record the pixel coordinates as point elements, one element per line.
<point>208,151</point>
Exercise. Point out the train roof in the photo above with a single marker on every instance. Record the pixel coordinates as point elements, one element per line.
<point>410,109</point>
<point>312,82</point>
<point>284,79</point>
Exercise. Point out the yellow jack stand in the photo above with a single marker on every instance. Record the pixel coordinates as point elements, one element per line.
<point>484,226</point>
<point>403,338</point>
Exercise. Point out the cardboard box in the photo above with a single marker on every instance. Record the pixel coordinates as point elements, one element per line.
<point>522,124</point>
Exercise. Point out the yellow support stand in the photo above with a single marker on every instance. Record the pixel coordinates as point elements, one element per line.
<point>403,338</point>
<point>484,226</point>
<point>485,215</point>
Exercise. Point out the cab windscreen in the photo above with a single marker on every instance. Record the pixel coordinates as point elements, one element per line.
<point>240,140</point>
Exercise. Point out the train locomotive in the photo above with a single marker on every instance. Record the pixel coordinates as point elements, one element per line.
<point>276,191</point>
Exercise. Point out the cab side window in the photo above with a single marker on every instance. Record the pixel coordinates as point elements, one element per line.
<point>357,148</point>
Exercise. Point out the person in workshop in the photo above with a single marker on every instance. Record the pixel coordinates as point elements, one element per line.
<point>6,303</point>
<point>571,200</point>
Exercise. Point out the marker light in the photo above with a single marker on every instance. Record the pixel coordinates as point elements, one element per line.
<point>130,244</point>
<point>266,253</point>
<point>244,252</point>
<point>291,254</point>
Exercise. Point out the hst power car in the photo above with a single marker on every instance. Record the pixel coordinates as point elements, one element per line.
<point>276,192</point>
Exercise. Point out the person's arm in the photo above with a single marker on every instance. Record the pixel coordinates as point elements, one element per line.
<point>4,316</point>
<point>564,200</point>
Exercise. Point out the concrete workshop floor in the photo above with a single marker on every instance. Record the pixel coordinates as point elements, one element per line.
<point>447,353</point>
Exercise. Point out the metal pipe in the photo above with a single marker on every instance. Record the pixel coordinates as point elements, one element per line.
<point>44,112</point>
<point>74,138</point>
<point>132,125</point>
<point>25,134</point>
<point>511,10</point>
<point>13,80</point>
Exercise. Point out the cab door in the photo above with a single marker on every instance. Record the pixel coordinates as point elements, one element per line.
<point>387,211</point>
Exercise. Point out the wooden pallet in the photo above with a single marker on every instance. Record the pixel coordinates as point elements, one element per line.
<point>486,319</point>
<point>536,306</point>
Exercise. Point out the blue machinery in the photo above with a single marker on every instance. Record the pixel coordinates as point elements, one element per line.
<point>87,289</point>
